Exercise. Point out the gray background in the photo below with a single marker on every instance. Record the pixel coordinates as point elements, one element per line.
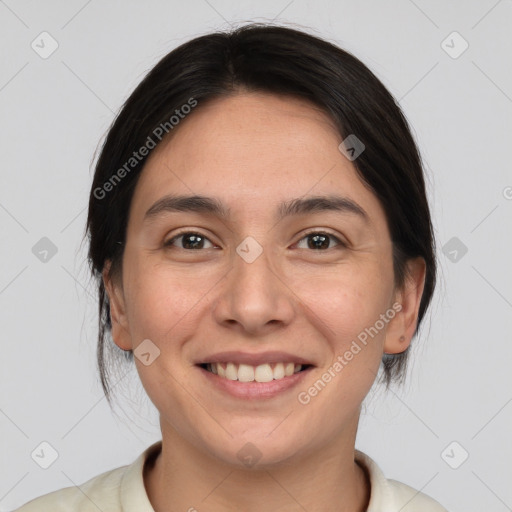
<point>53,113</point>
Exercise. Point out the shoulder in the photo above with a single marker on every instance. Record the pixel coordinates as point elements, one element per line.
<point>100,492</point>
<point>393,496</point>
<point>120,489</point>
<point>411,500</point>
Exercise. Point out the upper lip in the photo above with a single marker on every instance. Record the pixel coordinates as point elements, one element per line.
<point>237,357</point>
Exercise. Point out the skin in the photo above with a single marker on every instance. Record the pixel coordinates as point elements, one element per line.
<point>251,151</point>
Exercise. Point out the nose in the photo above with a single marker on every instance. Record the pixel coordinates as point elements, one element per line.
<point>254,297</point>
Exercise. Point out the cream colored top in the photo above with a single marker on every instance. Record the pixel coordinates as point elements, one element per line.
<point>122,490</point>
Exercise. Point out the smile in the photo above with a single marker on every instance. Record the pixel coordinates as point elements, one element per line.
<point>266,372</point>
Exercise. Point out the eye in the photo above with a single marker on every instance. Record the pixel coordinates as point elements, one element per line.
<point>319,240</point>
<point>190,240</point>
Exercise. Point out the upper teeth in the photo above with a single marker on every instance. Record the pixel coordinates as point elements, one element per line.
<point>247,373</point>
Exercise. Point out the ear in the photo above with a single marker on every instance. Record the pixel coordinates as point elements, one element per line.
<point>120,330</point>
<point>401,329</point>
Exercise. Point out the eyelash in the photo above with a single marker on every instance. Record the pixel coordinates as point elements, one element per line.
<point>169,243</point>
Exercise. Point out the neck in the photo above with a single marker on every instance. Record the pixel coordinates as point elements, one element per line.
<point>182,478</point>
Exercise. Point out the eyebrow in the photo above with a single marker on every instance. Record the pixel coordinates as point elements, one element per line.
<point>213,206</point>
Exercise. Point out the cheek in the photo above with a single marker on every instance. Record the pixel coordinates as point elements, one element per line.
<point>162,302</point>
<point>163,306</point>
<point>348,314</point>
<point>346,307</point>
<point>347,300</point>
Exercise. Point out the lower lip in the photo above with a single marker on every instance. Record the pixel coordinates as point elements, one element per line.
<point>255,390</point>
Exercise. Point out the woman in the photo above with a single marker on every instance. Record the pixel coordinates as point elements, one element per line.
<point>260,232</point>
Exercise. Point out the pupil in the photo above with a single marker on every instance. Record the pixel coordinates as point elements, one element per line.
<point>318,241</point>
<point>196,241</point>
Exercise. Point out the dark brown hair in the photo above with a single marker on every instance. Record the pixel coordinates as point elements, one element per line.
<point>281,61</point>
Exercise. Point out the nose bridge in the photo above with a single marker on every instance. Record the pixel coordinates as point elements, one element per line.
<point>253,264</point>
<point>254,295</point>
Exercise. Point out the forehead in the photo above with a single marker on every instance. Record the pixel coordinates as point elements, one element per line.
<point>238,126</point>
<point>252,149</point>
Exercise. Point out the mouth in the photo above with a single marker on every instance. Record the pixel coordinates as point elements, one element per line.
<point>253,376</point>
<point>266,372</point>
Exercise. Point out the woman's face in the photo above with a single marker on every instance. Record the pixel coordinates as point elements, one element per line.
<point>272,278</point>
